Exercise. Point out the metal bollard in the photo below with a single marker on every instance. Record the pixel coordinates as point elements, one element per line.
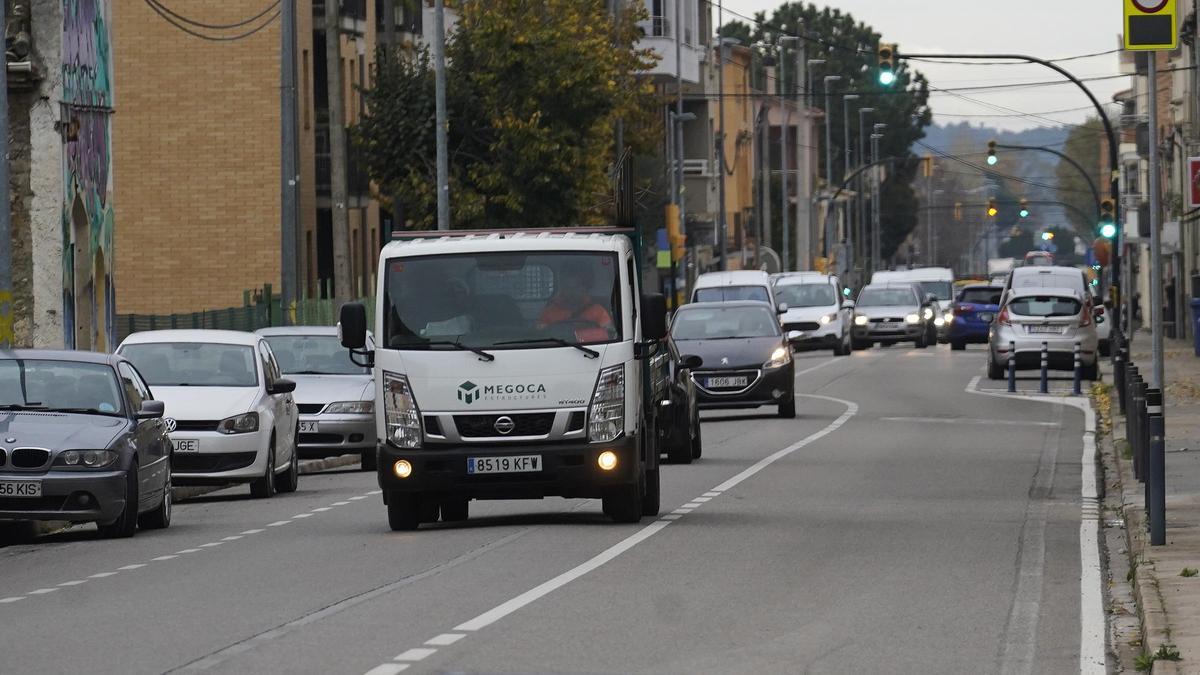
<point>1012,367</point>
<point>1077,389</point>
<point>1119,377</point>
<point>1044,387</point>
<point>1136,403</point>
<point>1156,488</point>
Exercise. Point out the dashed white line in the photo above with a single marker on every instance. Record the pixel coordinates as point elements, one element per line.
<point>164,557</point>
<point>302,515</point>
<point>683,511</point>
<point>211,544</point>
<point>388,669</point>
<point>358,497</point>
<point>339,503</point>
<point>417,654</point>
<point>76,582</point>
<point>101,575</point>
<point>134,566</point>
<point>702,499</point>
<point>321,509</point>
<point>253,531</point>
<point>187,551</point>
<point>712,494</point>
<point>278,523</point>
<point>232,537</point>
<point>42,591</point>
<point>671,516</point>
<point>15,598</point>
<point>446,639</point>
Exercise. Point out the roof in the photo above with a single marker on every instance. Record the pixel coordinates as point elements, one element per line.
<point>220,337</point>
<point>1060,291</point>
<point>918,274</point>
<point>59,355</point>
<point>733,278</point>
<point>506,241</point>
<point>727,305</point>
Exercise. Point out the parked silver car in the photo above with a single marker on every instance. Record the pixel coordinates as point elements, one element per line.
<point>1056,317</point>
<point>335,396</point>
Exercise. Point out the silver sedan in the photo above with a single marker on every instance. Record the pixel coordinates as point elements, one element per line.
<point>1058,318</point>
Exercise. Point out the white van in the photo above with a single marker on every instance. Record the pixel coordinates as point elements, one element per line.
<point>734,286</point>
<point>513,365</point>
<point>816,309</point>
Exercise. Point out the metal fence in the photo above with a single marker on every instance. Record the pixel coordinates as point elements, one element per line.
<point>260,309</point>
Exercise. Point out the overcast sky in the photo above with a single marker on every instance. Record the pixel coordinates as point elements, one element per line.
<point>1036,27</point>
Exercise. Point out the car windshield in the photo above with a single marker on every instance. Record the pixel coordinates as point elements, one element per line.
<point>313,355</point>
<point>1044,306</point>
<point>980,296</point>
<point>942,290</point>
<point>724,323</point>
<point>806,295</point>
<point>732,294</point>
<point>194,364</point>
<point>59,385</point>
<point>886,297</point>
<point>502,300</point>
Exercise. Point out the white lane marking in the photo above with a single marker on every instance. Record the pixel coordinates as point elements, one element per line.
<point>232,537</point>
<point>671,516</point>
<point>15,598</point>
<point>417,654</point>
<point>504,609</point>
<point>966,420</point>
<point>682,511</point>
<point>1092,622</point>
<point>187,551</point>
<point>132,567</point>
<point>42,591</point>
<point>74,583</point>
<point>357,497</point>
<point>253,531</point>
<point>101,575</point>
<point>375,492</point>
<point>712,494</point>
<point>702,499</point>
<point>816,367</point>
<point>445,639</point>
<point>164,557</point>
<point>388,669</point>
<point>278,523</point>
<point>302,515</point>
<point>211,544</point>
<point>321,509</point>
<point>339,503</point>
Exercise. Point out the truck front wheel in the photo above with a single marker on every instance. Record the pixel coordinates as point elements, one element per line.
<point>651,502</point>
<point>624,504</point>
<point>404,513</point>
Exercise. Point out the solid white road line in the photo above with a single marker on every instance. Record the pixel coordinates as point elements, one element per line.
<point>278,523</point>
<point>74,583</point>
<point>42,591</point>
<point>101,575</point>
<point>966,420</point>
<point>131,567</point>
<point>15,598</point>
<point>1092,623</point>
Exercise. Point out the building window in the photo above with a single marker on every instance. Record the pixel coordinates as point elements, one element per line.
<point>304,99</point>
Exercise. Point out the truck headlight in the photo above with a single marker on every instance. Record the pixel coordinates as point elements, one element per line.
<point>913,318</point>
<point>239,424</point>
<point>828,319</point>
<point>860,320</point>
<point>402,418</point>
<point>606,415</point>
<point>779,358</point>
<point>351,408</point>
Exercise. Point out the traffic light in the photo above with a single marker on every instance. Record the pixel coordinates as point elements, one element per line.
<point>1024,212</point>
<point>957,211</point>
<point>992,209</point>
<point>1108,218</point>
<point>887,64</point>
<point>992,159</point>
<point>927,165</point>
<point>1047,236</point>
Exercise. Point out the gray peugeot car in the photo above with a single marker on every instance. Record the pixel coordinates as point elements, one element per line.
<point>81,440</point>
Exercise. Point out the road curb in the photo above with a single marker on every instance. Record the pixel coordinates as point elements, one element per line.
<point>1152,614</point>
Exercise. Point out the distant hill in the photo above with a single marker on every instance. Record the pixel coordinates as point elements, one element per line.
<point>942,136</point>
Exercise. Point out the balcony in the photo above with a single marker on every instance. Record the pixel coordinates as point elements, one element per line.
<point>661,34</point>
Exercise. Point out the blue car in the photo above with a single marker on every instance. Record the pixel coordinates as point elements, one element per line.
<point>973,312</point>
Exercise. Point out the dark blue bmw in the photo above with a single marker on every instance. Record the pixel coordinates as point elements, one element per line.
<point>973,312</point>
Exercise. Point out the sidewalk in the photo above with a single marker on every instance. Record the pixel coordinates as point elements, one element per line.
<point>1168,603</point>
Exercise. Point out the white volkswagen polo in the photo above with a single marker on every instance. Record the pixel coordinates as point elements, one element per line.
<point>230,412</point>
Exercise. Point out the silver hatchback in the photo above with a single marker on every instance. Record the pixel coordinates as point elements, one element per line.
<point>1059,318</point>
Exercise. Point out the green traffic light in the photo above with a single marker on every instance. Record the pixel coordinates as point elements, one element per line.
<point>886,77</point>
<point>1108,230</point>
<point>1024,213</point>
<point>992,160</point>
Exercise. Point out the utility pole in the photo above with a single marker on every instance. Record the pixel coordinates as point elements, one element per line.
<point>827,246</point>
<point>1156,285</point>
<point>289,173</point>
<point>876,240</point>
<point>342,290</point>
<point>863,245</point>
<point>721,220</point>
<point>929,211</point>
<point>443,155</point>
<point>765,172</point>
<point>6,279</point>
<point>785,120</point>
<point>804,170</point>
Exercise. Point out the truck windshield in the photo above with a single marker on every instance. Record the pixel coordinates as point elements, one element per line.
<point>502,300</point>
<point>942,290</point>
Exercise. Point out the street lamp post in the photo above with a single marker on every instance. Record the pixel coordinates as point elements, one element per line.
<point>785,118</point>
<point>850,239</point>
<point>876,198</point>
<point>862,200</point>
<point>826,248</point>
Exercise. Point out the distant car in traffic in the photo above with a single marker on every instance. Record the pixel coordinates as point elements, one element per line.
<point>734,286</point>
<point>972,314</point>
<point>1104,322</point>
<point>936,281</point>
<point>816,310</point>
<point>1056,317</point>
<point>1039,259</point>
<point>234,419</point>
<point>746,358</point>
<point>334,396</point>
<point>83,441</point>
<point>891,313</point>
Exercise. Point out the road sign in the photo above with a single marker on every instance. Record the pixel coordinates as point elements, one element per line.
<point>1194,182</point>
<point>1151,24</point>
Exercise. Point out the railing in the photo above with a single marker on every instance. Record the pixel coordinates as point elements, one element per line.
<point>699,167</point>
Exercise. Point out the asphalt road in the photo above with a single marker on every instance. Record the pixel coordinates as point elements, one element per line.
<point>901,524</point>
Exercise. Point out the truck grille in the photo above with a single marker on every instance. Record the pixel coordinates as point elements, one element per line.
<point>484,426</point>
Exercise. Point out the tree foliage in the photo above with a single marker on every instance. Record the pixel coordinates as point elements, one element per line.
<point>533,93</point>
<point>1083,146</point>
<point>848,48</point>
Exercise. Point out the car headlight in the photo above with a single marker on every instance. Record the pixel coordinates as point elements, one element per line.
<point>828,319</point>
<point>948,317</point>
<point>239,424</point>
<point>913,318</point>
<point>927,313</point>
<point>860,320</point>
<point>86,459</point>
<point>401,416</point>
<point>779,358</point>
<point>351,408</point>
<point>606,414</point>
<point>939,322</point>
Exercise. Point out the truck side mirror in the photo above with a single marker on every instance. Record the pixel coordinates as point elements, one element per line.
<point>352,325</point>
<point>654,317</point>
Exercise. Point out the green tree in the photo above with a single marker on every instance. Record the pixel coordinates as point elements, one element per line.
<point>1083,146</point>
<point>533,94</point>
<point>848,47</point>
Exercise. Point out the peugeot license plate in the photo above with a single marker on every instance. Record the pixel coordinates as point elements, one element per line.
<point>308,427</point>
<point>182,445</point>
<point>715,382</point>
<point>508,464</point>
<point>20,488</point>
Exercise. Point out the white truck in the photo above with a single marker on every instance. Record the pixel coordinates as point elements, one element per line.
<point>514,365</point>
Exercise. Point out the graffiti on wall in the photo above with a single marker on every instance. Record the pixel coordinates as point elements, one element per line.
<point>87,209</point>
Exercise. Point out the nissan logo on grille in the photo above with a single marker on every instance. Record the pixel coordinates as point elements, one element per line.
<point>504,425</point>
